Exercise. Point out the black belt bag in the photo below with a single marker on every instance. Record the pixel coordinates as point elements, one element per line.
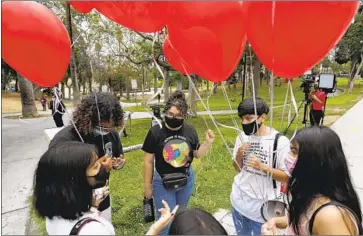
<point>175,180</point>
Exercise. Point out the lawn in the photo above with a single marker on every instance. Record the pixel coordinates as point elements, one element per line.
<point>214,172</point>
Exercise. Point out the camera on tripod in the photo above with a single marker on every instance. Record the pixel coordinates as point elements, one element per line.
<point>156,113</point>
<point>306,85</point>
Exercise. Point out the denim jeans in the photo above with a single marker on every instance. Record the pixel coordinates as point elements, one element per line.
<point>245,226</point>
<point>172,197</point>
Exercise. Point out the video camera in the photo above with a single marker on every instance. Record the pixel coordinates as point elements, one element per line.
<point>156,113</point>
<point>306,84</point>
<point>327,84</point>
<point>156,110</point>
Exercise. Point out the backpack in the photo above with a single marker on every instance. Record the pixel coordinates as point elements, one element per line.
<point>79,225</point>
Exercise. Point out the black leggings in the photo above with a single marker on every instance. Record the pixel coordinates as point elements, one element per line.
<point>315,117</point>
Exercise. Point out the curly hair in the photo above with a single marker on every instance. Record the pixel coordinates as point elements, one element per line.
<point>85,116</point>
<point>177,99</point>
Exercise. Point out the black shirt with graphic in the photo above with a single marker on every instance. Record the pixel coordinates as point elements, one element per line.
<point>172,149</point>
<point>111,145</point>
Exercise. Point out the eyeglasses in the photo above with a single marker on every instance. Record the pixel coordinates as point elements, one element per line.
<point>172,116</point>
<point>103,128</point>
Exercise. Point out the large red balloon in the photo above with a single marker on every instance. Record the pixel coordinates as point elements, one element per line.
<point>223,44</point>
<point>301,33</point>
<point>174,58</point>
<point>82,7</point>
<point>34,42</point>
<point>147,16</point>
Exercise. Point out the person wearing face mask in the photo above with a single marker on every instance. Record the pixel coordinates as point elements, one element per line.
<point>322,199</point>
<point>255,161</point>
<point>169,152</point>
<point>95,119</point>
<point>64,184</point>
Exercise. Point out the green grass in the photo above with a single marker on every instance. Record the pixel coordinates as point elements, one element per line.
<point>213,173</point>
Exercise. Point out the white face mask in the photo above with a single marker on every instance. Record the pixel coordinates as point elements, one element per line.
<point>99,131</point>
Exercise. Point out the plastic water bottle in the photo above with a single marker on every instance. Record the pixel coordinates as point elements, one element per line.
<point>149,213</point>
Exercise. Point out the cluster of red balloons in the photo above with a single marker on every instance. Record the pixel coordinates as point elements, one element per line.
<point>208,38</point>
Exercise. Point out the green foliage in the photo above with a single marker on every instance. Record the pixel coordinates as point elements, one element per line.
<point>350,47</point>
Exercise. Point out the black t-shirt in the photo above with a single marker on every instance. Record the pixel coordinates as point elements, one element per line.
<point>172,149</point>
<point>111,144</point>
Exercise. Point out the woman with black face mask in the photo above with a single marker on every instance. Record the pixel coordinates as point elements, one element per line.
<point>64,190</point>
<point>172,148</point>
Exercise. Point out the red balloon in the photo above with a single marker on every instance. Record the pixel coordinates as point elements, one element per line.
<point>147,16</point>
<point>35,42</point>
<point>200,49</point>
<point>223,44</point>
<point>174,58</point>
<point>302,34</point>
<point>82,7</point>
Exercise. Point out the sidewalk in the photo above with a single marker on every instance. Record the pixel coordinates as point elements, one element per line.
<point>349,127</point>
<point>350,130</point>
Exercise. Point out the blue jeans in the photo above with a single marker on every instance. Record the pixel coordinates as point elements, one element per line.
<point>172,197</point>
<point>245,226</point>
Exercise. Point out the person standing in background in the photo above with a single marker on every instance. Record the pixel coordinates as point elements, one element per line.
<point>58,109</point>
<point>43,101</point>
<point>318,99</point>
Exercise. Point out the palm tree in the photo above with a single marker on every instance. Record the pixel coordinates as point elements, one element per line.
<point>27,97</point>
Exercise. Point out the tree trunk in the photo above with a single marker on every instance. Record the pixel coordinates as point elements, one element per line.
<point>192,96</point>
<point>69,93</point>
<point>155,84</point>
<point>90,80</point>
<point>207,85</point>
<point>72,65</point>
<point>17,84</point>
<point>3,79</point>
<point>179,85</point>
<point>127,90</point>
<point>256,74</point>
<point>63,88</point>
<point>37,92</point>
<point>354,73</point>
<point>166,85</point>
<point>215,85</point>
<point>27,98</point>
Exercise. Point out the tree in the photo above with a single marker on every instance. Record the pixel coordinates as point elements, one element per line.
<point>27,97</point>
<point>350,48</point>
<point>7,74</point>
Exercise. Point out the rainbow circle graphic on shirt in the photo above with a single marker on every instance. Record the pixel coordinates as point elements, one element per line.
<point>176,153</point>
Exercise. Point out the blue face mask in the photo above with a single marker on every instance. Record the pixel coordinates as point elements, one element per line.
<point>99,131</point>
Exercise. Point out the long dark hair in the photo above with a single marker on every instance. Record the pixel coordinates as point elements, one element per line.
<point>321,169</point>
<point>61,187</point>
<point>195,222</point>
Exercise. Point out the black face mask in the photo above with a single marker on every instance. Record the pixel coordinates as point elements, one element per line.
<point>251,128</point>
<point>100,178</point>
<point>173,123</point>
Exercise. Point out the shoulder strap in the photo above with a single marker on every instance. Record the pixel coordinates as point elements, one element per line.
<point>274,157</point>
<point>338,204</point>
<point>79,225</point>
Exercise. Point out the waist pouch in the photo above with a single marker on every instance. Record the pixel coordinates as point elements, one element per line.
<point>175,180</point>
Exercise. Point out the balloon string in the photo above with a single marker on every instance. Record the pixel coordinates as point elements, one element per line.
<point>285,102</point>
<point>99,121</point>
<point>293,101</point>
<point>70,118</point>
<point>229,103</point>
